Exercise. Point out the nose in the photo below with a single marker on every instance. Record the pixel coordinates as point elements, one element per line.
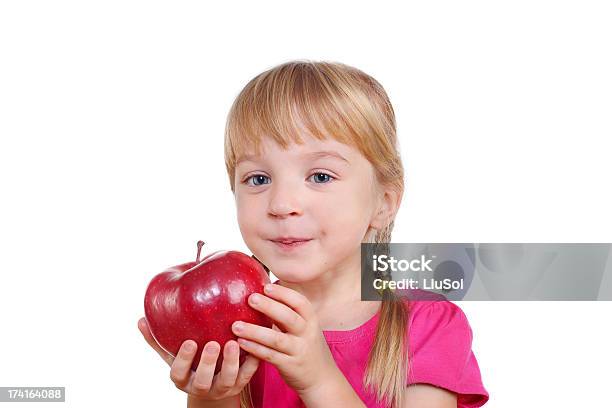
<point>284,201</point>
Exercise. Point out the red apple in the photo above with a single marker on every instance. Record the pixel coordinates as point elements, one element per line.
<point>200,300</point>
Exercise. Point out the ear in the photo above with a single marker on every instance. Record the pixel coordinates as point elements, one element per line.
<point>387,207</point>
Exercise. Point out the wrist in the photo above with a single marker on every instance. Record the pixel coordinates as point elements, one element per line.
<point>230,402</point>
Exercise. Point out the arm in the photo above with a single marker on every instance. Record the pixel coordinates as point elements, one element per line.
<point>336,391</point>
<point>415,396</point>
<point>428,396</point>
<point>231,402</point>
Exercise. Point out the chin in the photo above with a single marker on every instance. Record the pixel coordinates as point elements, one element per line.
<point>297,273</point>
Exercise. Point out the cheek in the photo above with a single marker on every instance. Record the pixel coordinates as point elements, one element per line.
<point>248,218</point>
<point>344,218</point>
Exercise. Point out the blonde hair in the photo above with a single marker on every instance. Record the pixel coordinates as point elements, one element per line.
<point>329,99</point>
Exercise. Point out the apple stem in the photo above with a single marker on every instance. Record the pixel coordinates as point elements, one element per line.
<point>200,244</point>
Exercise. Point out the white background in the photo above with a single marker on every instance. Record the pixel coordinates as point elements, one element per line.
<point>111,168</point>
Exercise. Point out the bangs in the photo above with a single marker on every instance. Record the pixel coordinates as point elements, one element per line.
<point>292,100</point>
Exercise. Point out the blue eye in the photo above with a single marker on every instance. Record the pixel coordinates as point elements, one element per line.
<point>257,177</point>
<point>323,179</point>
<point>260,179</point>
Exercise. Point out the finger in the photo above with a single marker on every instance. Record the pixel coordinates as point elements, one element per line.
<point>279,341</point>
<point>226,379</point>
<point>292,298</point>
<point>180,372</point>
<point>202,381</point>
<point>247,370</point>
<point>262,352</point>
<point>282,314</point>
<point>146,332</point>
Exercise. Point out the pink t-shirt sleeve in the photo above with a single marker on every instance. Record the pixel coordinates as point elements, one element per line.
<point>441,353</point>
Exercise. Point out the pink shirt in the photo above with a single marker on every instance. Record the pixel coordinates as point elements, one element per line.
<point>440,353</point>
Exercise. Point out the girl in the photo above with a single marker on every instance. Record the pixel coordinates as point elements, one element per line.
<point>313,162</point>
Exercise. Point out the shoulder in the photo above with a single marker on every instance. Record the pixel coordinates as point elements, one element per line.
<point>440,350</point>
<point>438,328</point>
<point>438,315</point>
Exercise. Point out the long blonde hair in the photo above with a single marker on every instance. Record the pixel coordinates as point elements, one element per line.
<point>330,99</point>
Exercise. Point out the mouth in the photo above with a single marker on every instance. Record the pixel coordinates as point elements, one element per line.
<point>288,244</point>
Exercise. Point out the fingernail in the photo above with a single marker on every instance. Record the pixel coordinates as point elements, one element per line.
<point>238,326</point>
<point>268,288</point>
<point>211,349</point>
<point>254,298</point>
<point>189,347</point>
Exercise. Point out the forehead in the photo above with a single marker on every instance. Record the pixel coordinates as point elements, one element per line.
<point>311,148</point>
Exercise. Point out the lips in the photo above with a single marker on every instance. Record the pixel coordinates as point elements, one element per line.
<point>291,245</point>
<point>290,240</point>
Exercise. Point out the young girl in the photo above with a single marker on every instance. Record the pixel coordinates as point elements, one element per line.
<point>313,162</point>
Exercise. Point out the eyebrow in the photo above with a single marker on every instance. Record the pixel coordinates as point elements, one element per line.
<point>313,155</point>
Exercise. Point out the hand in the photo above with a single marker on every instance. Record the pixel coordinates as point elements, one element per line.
<point>295,345</point>
<point>203,384</point>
